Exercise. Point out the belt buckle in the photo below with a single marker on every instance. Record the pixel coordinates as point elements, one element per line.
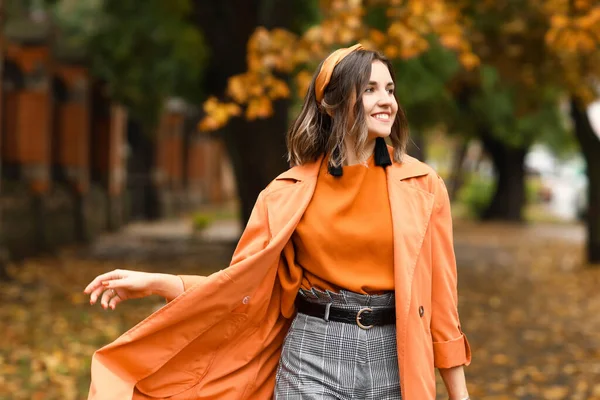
<point>358,315</point>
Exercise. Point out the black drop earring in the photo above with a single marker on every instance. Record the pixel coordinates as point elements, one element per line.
<point>382,156</point>
<point>335,171</point>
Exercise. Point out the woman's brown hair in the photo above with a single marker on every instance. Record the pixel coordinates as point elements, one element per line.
<point>320,128</point>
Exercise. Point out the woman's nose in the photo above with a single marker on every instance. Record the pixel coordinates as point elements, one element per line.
<point>384,98</point>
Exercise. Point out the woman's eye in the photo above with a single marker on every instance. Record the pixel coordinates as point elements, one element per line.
<point>391,91</point>
<point>369,90</point>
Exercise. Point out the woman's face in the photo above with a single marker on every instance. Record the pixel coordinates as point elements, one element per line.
<point>379,101</point>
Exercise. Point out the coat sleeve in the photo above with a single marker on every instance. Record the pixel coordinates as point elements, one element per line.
<point>450,345</point>
<point>255,238</point>
<point>191,280</point>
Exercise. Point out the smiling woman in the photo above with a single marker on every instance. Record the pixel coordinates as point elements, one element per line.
<point>342,286</point>
<point>333,121</point>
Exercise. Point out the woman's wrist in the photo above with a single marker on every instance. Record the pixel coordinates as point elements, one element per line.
<point>455,382</point>
<point>166,285</point>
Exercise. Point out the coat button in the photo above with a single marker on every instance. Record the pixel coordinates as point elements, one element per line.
<point>246,300</point>
<point>421,311</point>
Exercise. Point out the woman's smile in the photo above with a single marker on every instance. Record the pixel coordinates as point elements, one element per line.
<point>382,116</point>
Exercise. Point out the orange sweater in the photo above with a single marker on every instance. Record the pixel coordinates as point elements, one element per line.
<point>344,239</point>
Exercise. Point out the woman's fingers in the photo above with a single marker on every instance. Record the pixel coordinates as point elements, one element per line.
<point>107,296</point>
<point>96,293</point>
<point>116,299</point>
<point>97,282</point>
<point>104,285</point>
<point>130,284</point>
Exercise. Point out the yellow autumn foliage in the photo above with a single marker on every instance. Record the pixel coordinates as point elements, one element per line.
<point>217,114</point>
<point>574,40</point>
<point>277,51</point>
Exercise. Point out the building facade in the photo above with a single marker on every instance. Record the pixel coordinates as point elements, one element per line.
<point>74,165</point>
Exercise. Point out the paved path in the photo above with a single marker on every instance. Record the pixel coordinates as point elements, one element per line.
<point>180,229</point>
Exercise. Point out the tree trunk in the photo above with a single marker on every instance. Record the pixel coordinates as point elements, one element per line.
<point>3,252</point>
<point>509,197</point>
<point>590,147</point>
<point>256,148</point>
<point>143,191</point>
<point>258,153</point>
<point>456,175</point>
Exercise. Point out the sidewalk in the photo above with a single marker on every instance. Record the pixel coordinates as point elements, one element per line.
<point>172,241</point>
<point>180,229</point>
<point>230,230</point>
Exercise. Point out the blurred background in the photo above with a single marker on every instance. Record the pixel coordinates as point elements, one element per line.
<point>139,134</point>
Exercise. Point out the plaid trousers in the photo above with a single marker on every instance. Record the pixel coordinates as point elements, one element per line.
<point>335,360</point>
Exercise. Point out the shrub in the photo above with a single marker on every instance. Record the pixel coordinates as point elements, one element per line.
<point>475,194</point>
<point>201,221</point>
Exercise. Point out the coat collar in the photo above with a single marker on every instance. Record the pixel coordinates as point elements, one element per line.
<point>410,167</point>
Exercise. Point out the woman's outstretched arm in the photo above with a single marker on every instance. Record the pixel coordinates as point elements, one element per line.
<point>119,285</point>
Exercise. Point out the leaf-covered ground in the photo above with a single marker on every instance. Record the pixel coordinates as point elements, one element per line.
<point>530,309</point>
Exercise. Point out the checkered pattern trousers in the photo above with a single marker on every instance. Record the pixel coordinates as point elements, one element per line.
<point>335,360</point>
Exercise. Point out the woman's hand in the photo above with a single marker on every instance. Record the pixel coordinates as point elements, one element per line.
<point>121,284</point>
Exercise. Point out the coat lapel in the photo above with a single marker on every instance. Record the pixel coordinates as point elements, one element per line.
<point>286,205</point>
<point>411,209</point>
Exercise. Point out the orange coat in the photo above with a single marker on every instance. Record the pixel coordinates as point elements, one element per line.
<point>222,338</point>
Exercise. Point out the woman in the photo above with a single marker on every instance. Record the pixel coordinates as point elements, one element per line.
<point>343,284</point>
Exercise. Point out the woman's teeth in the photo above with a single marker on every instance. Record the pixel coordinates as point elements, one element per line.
<point>382,116</point>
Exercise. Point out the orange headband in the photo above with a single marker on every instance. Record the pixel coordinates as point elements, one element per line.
<point>327,69</point>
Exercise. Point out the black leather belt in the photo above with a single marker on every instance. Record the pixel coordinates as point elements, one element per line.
<point>366,317</point>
